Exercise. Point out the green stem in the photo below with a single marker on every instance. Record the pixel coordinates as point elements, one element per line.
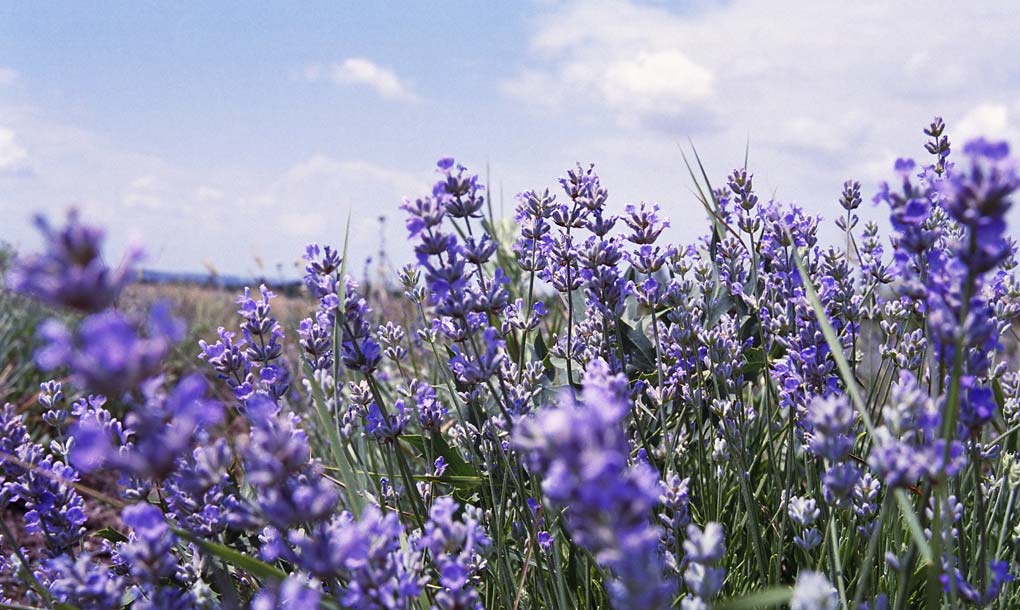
<point>873,544</point>
<point>26,566</point>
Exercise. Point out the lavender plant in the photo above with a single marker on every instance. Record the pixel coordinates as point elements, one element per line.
<point>564,412</point>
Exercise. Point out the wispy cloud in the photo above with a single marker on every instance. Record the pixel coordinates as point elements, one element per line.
<point>320,187</point>
<point>208,194</point>
<point>633,60</point>
<point>144,192</point>
<point>643,62</point>
<point>364,72</point>
<point>13,156</point>
<point>990,119</point>
<point>185,215</point>
<point>817,93</point>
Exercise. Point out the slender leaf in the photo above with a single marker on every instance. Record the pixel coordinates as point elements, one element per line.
<point>768,598</point>
<point>234,558</point>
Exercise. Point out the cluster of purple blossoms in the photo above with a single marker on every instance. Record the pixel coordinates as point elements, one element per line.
<point>108,353</point>
<point>532,216</point>
<point>159,430</point>
<point>429,410</point>
<point>591,264</point>
<point>804,513</point>
<point>582,453</point>
<point>454,268</point>
<point>71,272</point>
<point>907,448</point>
<point>263,337</point>
<point>676,516</point>
<point>40,485</point>
<point>813,591</point>
<point>978,198</point>
<point>250,365</point>
<point>951,233</point>
<point>82,583</point>
<point>359,350</point>
<point>386,426</point>
<point>1000,576</point>
<point>703,549</point>
<point>317,333</point>
<point>293,592</point>
<point>200,493</point>
<point>457,549</point>
<point>829,436</point>
<point>380,571</point>
<point>288,484</point>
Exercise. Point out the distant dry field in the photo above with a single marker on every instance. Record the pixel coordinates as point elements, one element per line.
<point>207,308</point>
<point>204,309</point>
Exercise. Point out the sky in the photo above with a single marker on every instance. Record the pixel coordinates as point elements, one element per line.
<point>226,136</point>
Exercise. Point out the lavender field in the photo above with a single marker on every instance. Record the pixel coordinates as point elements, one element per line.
<point>562,411</point>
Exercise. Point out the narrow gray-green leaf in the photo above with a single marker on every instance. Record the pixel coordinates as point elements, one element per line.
<point>916,531</point>
<point>253,566</point>
<point>768,598</point>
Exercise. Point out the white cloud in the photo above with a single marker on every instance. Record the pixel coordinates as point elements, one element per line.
<point>299,225</point>
<point>635,61</point>
<point>737,60</point>
<point>993,121</point>
<point>821,92</point>
<point>812,136</point>
<point>312,72</point>
<point>313,166</point>
<point>186,215</point>
<point>143,182</point>
<point>13,156</point>
<point>143,192</point>
<point>654,80</point>
<point>322,167</point>
<point>361,71</point>
<point>208,194</point>
<point>311,199</point>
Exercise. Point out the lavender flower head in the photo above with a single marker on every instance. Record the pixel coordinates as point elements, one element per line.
<point>322,266</point>
<point>159,431</point>
<point>107,353</point>
<point>83,583</point>
<point>41,485</point>
<point>380,573</point>
<point>149,553</point>
<point>905,449</point>
<point>581,451</point>
<point>813,591</point>
<point>456,548</point>
<point>71,272</point>
<point>703,549</point>
<point>461,194</point>
<point>804,513</point>
<point>291,593</point>
<point>289,486</point>
<point>979,198</point>
<point>830,420</point>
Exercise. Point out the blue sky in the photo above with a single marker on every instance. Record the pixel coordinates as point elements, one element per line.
<point>229,135</point>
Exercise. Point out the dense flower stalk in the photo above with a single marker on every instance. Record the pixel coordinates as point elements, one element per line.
<point>581,452</point>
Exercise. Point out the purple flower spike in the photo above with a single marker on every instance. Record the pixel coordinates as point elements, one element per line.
<point>71,272</point>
